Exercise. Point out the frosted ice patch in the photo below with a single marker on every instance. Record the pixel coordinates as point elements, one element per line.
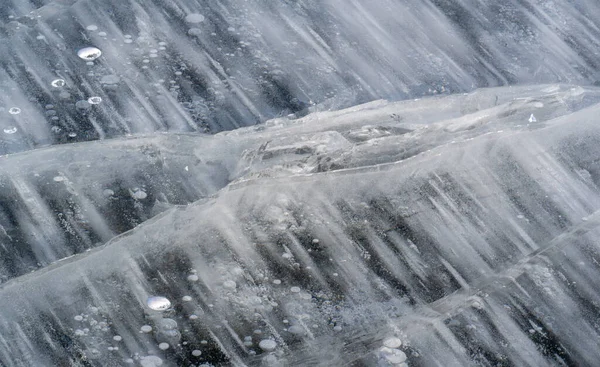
<point>392,343</point>
<point>194,32</point>
<point>296,330</point>
<point>10,130</point>
<point>194,18</point>
<point>532,118</point>
<point>167,324</point>
<point>110,79</point>
<point>94,100</point>
<point>158,303</point>
<point>267,345</point>
<point>58,83</point>
<point>83,105</point>
<point>89,53</point>
<point>14,110</point>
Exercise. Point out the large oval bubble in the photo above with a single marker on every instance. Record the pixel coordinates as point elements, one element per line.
<point>89,53</point>
<point>158,303</point>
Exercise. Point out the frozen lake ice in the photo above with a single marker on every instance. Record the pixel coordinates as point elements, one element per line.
<point>291,183</point>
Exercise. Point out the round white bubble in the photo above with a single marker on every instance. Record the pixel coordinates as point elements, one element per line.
<point>158,303</point>
<point>392,342</point>
<point>186,298</point>
<point>194,32</point>
<point>102,34</point>
<point>94,100</point>
<point>194,18</point>
<point>268,345</point>
<point>163,346</point>
<point>192,278</point>
<point>89,53</point>
<point>92,27</point>
<point>117,338</point>
<point>151,361</point>
<point>146,328</point>
<point>78,318</point>
<point>10,130</point>
<point>393,356</point>
<point>229,284</point>
<point>139,195</point>
<point>14,110</point>
<point>58,83</point>
<point>295,289</point>
<point>196,353</point>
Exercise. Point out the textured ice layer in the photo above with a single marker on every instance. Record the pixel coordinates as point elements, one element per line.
<point>442,231</point>
<point>208,66</point>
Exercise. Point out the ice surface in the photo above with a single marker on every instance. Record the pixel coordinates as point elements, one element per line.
<point>448,230</point>
<point>291,183</point>
<point>209,66</point>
